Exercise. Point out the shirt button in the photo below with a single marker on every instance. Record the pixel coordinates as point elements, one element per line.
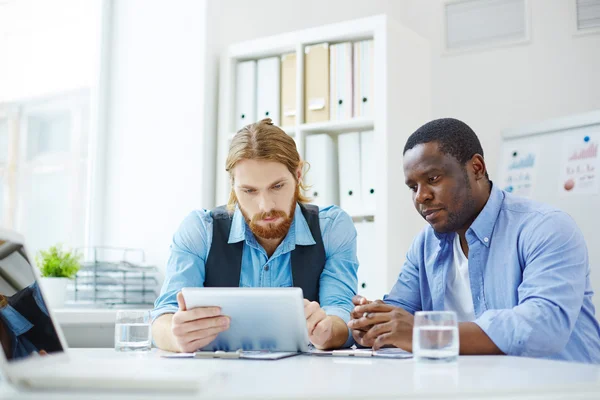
<point>486,239</point>
<point>267,267</point>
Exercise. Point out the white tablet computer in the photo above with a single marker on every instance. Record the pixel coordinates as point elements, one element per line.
<point>261,318</point>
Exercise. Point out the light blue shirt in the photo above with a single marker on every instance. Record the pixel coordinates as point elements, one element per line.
<point>18,325</point>
<point>338,282</point>
<point>530,279</point>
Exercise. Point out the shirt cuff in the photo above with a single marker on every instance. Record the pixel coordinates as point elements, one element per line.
<point>165,309</point>
<point>500,328</point>
<point>345,316</point>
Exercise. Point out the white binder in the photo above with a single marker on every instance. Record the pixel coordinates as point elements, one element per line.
<point>368,177</point>
<point>364,78</point>
<point>340,81</point>
<point>245,94</point>
<point>322,175</point>
<point>349,164</point>
<point>268,89</point>
<point>371,275</point>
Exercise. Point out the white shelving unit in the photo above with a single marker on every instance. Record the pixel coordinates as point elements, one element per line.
<point>402,104</point>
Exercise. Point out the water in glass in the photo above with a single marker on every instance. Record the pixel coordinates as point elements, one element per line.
<point>132,331</point>
<point>435,336</point>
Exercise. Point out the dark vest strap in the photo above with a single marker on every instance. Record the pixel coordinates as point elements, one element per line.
<point>224,263</point>
<point>308,261</point>
<point>42,335</point>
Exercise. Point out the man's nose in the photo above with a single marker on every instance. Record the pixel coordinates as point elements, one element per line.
<point>265,202</point>
<point>423,195</point>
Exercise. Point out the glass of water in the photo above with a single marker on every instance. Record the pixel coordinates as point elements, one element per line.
<point>435,336</point>
<point>132,331</point>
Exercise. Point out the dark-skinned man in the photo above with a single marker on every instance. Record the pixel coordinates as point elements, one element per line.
<point>515,271</point>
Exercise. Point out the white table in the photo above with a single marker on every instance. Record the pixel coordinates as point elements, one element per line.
<point>494,377</point>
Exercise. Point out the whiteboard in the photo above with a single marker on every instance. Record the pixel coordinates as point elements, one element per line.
<point>558,162</point>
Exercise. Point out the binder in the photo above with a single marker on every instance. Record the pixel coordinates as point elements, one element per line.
<point>316,83</point>
<point>370,275</point>
<point>245,96</point>
<point>288,90</point>
<point>322,174</point>
<point>364,78</point>
<point>368,176</point>
<point>268,89</point>
<point>340,80</point>
<point>349,175</point>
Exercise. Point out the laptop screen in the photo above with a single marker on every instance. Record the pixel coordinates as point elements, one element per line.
<point>25,325</point>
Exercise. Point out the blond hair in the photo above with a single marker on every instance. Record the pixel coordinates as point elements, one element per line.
<point>265,141</point>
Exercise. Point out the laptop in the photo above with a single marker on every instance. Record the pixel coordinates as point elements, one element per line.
<point>34,352</point>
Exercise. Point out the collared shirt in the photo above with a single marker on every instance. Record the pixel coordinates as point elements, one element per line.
<point>530,279</point>
<point>18,325</point>
<point>338,282</point>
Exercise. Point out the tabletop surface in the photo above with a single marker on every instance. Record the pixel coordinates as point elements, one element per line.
<point>348,377</point>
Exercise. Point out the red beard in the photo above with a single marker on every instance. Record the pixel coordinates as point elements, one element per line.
<point>272,231</point>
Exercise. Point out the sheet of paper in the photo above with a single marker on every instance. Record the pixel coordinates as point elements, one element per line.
<point>580,165</point>
<point>267,355</point>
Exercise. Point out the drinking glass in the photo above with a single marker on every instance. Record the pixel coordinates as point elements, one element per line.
<point>435,336</point>
<point>132,330</point>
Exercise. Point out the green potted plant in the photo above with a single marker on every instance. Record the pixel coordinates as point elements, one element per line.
<point>57,266</point>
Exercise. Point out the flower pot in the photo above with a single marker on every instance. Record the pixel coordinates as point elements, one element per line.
<point>55,291</point>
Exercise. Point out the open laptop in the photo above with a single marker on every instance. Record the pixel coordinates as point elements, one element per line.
<point>34,353</point>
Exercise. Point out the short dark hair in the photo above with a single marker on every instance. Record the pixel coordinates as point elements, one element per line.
<point>454,137</point>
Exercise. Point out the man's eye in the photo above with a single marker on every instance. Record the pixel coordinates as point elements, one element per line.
<point>434,179</point>
<point>412,188</point>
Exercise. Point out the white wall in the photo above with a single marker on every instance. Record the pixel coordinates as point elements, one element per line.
<point>159,141</point>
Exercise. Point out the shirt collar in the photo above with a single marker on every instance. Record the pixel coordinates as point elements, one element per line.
<point>483,226</point>
<point>299,230</point>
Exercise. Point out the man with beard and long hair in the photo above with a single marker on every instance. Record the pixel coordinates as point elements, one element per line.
<point>515,271</point>
<point>267,236</point>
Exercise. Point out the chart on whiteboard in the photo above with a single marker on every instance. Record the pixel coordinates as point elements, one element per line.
<point>519,174</point>
<point>580,165</point>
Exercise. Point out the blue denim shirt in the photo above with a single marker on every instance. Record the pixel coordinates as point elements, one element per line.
<point>530,279</point>
<point>338,283</point>
<point>18,325</point>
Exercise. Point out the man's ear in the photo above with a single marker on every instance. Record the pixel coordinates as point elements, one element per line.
<point>478,166</point>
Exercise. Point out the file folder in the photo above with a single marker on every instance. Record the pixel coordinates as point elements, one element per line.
<point>268,89</point>
<point>316,83</point>
<point>245,94</point>
<point>340,80</point>
<point>368,171</point>
<point>364,78</point>
<point>349,173</point>
<point>288,90</point>
<point>322,175</point>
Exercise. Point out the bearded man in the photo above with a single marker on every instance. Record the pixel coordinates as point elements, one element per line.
<point>267,236</point>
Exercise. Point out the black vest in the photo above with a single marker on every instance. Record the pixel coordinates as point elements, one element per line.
<point>224,264</point>
<point>42,335</point>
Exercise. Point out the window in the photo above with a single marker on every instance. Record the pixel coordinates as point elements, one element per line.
<point>48,79</point>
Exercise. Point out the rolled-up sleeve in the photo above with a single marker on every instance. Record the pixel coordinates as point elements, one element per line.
<point>186,265</point>
<point>338,283</point>
<point>550,295</point>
